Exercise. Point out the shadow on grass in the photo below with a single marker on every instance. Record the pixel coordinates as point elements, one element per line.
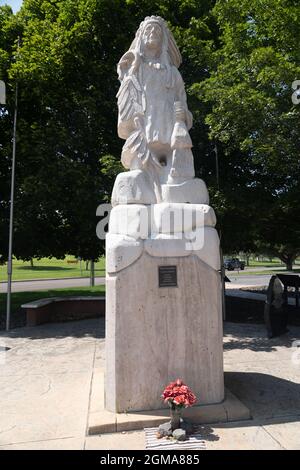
<point>57,268</point>
<point>45,268</point>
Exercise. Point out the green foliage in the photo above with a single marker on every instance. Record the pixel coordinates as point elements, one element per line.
<point>252,113</point>
<point>68,151</point>
<point>240,58</point>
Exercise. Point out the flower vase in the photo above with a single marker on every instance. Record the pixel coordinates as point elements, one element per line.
<point>175,417</point>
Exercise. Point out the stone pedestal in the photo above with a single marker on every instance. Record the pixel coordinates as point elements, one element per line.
<point>157,334</point>
<point>163,290</point>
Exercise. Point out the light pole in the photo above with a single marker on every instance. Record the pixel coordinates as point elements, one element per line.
<point>220,235</point>
<point>92,274</point>
<point>217,165</point>
<point>11,215</point>
<point>2,92</point>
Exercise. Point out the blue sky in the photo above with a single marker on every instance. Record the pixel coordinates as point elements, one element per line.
<point>15,4</point>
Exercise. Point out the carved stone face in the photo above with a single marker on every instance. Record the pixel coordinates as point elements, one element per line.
<point>152,36</point>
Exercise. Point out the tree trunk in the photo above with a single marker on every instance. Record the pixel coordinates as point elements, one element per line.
<point>289,265</point>
<point>31,262</point>
<point>92,274</point>
<point>288,260</point>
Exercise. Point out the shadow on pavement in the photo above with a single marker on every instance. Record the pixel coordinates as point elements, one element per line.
<point>207,433</point>
<point>93,328</point>
<point>254,338</point>
<point>267,397</point>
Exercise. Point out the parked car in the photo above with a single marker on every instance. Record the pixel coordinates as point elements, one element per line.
<point>234,263</point>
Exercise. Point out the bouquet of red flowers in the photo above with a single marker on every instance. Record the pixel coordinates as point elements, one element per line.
<point>179,395</point>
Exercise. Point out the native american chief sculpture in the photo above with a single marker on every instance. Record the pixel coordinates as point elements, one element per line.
<point>153,115</point>
<point>163,289</point>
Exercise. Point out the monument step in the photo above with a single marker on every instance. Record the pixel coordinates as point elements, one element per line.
<point>101,421</point>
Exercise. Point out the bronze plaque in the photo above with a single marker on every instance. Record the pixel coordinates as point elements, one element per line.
<point>167,276</point>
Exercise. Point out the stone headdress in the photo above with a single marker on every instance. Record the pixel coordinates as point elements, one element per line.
<point>170,54</point>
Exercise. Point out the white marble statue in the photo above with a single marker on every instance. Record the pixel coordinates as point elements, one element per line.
<point>154,119</point>
<point>153,115</point>
<point>158,329</point>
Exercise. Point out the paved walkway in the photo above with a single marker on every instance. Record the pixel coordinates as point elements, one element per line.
<point>238,279</point>
<point>46,372</point>
<point>45,284</point>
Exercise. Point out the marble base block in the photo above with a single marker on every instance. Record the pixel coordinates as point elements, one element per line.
<point>157,334</point>
<point>192,191</point>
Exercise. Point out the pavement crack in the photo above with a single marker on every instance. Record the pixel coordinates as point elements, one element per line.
<point>48,389</point>
<point>273,438</point>
<point>9,429</point>
<point>90,394</point>
<point>39,440</point>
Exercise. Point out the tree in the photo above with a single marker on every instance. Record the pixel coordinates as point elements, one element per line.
<point>9,30</point>
<point>239,60</point>
<point>68,147</point>
<point>253,115</point>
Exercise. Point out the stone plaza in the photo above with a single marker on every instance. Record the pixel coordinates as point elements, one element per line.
<point>44,366</point>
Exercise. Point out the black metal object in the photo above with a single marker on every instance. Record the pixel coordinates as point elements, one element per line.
<point>167,276</point>
<point>290,280</point>
<point>276,308</point>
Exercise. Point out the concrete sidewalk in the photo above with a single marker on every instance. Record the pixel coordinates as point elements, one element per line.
<point>45,284</point>
<point>46,373</point>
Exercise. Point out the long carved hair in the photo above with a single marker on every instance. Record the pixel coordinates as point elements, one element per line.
<point>130,62</point>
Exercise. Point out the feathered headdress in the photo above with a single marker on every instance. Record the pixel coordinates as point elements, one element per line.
<point>170,52</point>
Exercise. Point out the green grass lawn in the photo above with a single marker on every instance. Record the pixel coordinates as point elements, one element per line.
<point>19,298</point>
<point>274,263</point>
<point>51,268</point>
<point>281,270</point>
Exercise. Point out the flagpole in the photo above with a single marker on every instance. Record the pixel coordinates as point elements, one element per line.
<point>11,217</point>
